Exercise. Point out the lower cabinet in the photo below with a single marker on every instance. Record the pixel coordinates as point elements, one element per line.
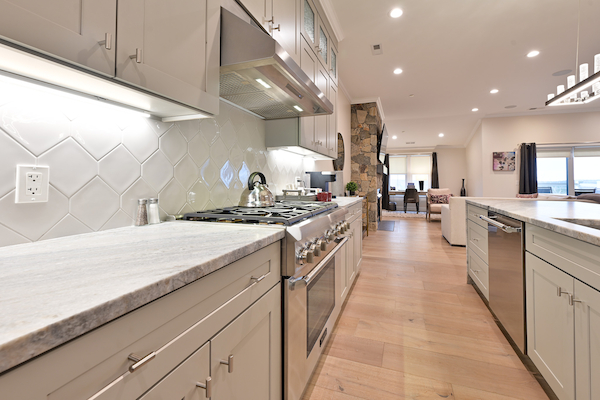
<point>222,331</point>
<point>478,272</point>
<point>563,321</point>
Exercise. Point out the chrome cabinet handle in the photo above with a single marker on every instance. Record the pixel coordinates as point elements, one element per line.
<point>107,42</point>
<point>572,300</point>
<point>137,56</point>
<point>255,280</point>
<point>139,361</point>
<point>207,386</point>
<point>229,363</point>
<point>475,240</point>
<point>560,292</point>
<point>318,48</point>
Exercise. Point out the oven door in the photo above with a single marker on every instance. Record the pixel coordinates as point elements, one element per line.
<point>309,315</point>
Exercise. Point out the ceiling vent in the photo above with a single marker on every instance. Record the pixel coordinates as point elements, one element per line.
<point>410,142</point>
<point>376,49</point>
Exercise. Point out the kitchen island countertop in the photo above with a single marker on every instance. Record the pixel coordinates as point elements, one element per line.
<point>545,213</point>
<point>347,201</point>
<point>53,291</point>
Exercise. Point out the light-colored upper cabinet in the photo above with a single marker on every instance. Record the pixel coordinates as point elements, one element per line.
<point>321,122</point>
<point>284,26</point>
<point>309,22</point>
<point>309,64</point>
<point>333,71</point>
<point>166,48</point>
<point>332,140</point>
<point>323,44</point>
<point>246,355</point>
<point>261,10</point>
<point>78,31</point>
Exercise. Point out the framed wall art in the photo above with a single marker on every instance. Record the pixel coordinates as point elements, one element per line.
<point>504,161</point>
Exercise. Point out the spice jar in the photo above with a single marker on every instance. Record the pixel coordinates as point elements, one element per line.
<point>142,214</point>
<point>153,216</point>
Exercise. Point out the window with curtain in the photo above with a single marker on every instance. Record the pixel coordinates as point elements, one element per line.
<point>569,170</point>
<point>407,168</point>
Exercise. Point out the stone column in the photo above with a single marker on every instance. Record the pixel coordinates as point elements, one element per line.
<point>366,125</point>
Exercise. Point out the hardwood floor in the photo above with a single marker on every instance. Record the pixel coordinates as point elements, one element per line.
<point>412,328</point>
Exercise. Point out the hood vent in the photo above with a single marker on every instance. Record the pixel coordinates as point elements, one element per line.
<point>259,76</point>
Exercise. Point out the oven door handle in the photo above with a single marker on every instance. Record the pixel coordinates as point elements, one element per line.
<point>303,281</point>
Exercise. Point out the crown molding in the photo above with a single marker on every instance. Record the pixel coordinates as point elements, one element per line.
<point>333,19</point>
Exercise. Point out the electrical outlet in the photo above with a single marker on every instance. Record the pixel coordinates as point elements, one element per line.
<point>33,183</point>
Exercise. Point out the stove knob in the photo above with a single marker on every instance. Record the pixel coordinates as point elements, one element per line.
<point>310,257</point>
<point>324,245</point>
<point>347,225</point>
<point>316,249</point>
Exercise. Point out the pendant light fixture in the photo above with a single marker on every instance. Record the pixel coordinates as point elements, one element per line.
<point>576,93</point>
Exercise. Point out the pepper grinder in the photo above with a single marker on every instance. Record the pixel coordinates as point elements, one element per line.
<point>153,216</point>
<point>142,214</point>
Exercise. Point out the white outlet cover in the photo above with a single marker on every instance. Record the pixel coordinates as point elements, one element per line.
<point>22,194</point>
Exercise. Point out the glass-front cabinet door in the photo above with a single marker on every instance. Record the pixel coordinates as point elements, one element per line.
<point>309,22</point>
<point>323,48</point>
<point>333,72</point>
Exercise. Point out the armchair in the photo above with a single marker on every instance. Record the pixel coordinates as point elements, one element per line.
<point>435,208</point>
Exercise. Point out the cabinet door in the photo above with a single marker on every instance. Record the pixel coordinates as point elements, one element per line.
<point>308,63</point>
<point>333,67</point>
<point>174,45</point>
<point>321,121</point>
<point>587,342</point>
<point>68,29</point>
<point>332,145</point>
<point>309,22</point>
<point>350,258</point>
<point>323,44</point>
<point>285,17</point>
<point>181,382</point>
<point>357,238</point>
<point>261,10</point>
<point>478,271</point>
<point>550,334</point>
<point>341,276</point>
<point>252,343</point>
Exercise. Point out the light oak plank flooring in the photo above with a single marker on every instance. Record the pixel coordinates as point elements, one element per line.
<point>412,328</point>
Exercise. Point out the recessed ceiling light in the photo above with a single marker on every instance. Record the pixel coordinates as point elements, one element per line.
<point>394,137</point>
<point>475,109</point>
<point>494,91</point>
<point>411,95</point>
<point>397,71</point>
<point>395,13</point>
<point>533,53</point>
<point>441,135</point>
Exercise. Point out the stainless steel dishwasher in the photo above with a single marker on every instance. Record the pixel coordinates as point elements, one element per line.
<point>507,274</point>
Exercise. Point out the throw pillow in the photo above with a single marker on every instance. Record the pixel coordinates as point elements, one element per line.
<point>440,198</point>
<point>590,196</point>
<point>527,196</point>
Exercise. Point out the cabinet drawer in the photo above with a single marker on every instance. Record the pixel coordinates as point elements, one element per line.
<point>172,327</point>
<point>478,271</point>
<point>575,257</point>
<point>477,240</point>
<point>473,213</point>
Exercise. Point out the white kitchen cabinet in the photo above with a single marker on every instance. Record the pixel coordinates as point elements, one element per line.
<point>587,342</point>
<point>309,22</point>
<point>322,121</point>
<point>251,345</point>
<point>332,132</point>
<point>323,45</point>
<point>478,271</point>
<point>261,10</point>
<point>71,30</point>
<point>284,26</point>
<point>356,228</point>
<point>170,330</point>
<point>333,65</point>
<point>309,64</point>
<point>163,47</point>
<point>550,321</point>
<point>341,271</point>
<point>477,249</point>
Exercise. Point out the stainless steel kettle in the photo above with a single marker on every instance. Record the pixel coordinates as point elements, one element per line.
<point>257,194</point>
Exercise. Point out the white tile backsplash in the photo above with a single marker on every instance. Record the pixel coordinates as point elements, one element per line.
<point>101,164</point>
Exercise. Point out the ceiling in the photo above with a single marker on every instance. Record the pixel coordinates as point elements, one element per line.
<point>453,53</point>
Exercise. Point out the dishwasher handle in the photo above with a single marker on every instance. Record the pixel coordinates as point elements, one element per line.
<point>505,228</point>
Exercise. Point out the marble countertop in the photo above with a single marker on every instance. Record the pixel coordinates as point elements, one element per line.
<point>55,290</point>
<point>545,213</point>
<point>347,201</point>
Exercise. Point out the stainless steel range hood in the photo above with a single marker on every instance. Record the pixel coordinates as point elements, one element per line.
<point>251,60</point>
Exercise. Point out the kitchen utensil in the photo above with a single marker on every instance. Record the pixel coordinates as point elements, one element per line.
<point>257,194</point>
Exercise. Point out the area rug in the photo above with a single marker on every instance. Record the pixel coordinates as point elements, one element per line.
<point>386,226</point>
<point>410,214</point>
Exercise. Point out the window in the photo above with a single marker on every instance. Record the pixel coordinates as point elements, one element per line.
<point>569,170</point>
<point>405,169</point>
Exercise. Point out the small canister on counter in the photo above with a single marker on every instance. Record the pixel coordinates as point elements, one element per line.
<point>142,214</point>
<point>153,216</point>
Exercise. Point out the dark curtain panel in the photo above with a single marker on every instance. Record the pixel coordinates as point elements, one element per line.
<point>385,190</point>
<point>435,181</point>
<point>528,173</point>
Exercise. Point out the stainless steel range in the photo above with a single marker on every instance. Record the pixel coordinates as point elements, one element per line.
<point>309,252</point>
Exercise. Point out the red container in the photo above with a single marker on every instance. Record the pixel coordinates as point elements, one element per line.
<point>322,196</point>
<point>329,196</point>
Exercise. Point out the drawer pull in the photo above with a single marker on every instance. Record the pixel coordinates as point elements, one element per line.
<point>572,300</point>
<point>207,386</point>
<point>107,42</point>
<point>475,240</point>
<point>139,361</point>
<point>560,292</point>
<point>229,363</point>
<point>137,56</point>
<point>255,280</point>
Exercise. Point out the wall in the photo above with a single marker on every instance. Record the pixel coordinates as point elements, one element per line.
<point>504,134</point>
<point>474,160</point>
<point>101,161</point>
<point>452,168</point>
